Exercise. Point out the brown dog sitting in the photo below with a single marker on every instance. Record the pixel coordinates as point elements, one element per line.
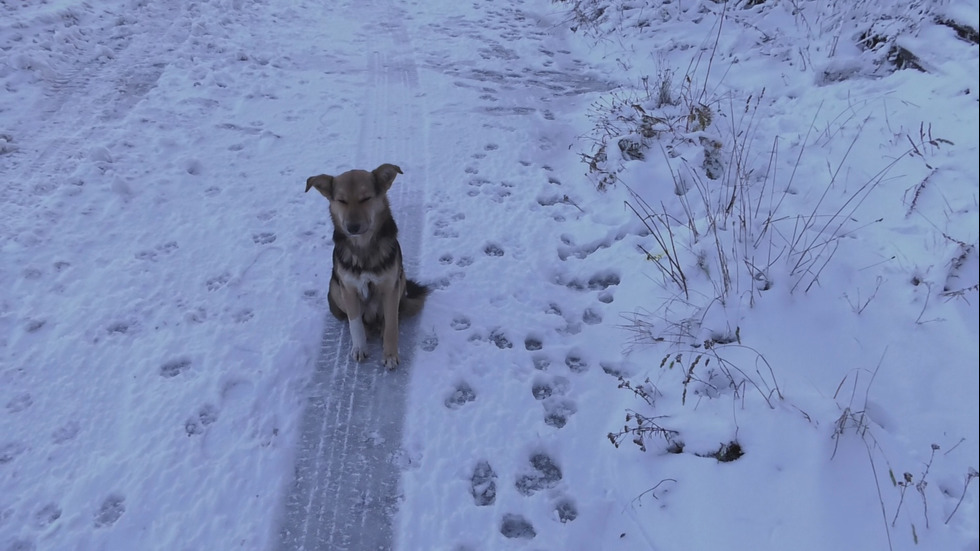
<point>368,286</point>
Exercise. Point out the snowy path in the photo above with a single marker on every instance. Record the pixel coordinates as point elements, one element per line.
<point>347,480</point>
<point>484,149</point>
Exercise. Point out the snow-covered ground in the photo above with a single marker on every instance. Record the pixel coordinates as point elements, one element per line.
<point>770,305</point>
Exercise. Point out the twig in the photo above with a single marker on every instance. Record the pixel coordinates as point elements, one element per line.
<point>653,490</point>
<point>970,475</point>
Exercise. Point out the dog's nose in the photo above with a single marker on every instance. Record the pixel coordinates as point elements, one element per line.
<point>354,229</point>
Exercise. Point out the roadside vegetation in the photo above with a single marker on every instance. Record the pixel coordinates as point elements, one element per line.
<point>735,211</point>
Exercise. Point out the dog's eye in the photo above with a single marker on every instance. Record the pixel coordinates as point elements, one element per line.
<point>342,201</point>
<point>365,200</point>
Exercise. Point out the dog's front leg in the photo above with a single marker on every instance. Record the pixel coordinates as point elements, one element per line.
<point>355,318</point>
<point>390,337</point>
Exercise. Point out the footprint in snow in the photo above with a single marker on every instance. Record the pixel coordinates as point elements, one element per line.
<point>500,340</point>
<point>576,362</point>
<point>47,515</point>
<point>543,474</point>
<point>162,249</point>
<point>218,281</point>
<point>174,367</point>
<point>460,396</point>
<point>532,343</point>
<point>19,403</point>
<point>557,411</point>
<point>483,484</point>
<point>598,282</point>
<point>112,508</point>
<point>429,342</point>
<point>492,249</point>
<point>443,230</point>
<point>197,424</point>
<point>443,224</point>
<point>545,388</point>
<point>517,527</point>
<point>263,238</point>
<point>591,317</point>
<point>462,262</point>
<point>66,432</point>
<point>10,451</point>
<point>243,316</point>
<point>541,362</point>
<point>566,511</point>
<point>120,327</point>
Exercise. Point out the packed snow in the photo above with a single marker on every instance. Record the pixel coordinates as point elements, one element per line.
<point>704,275</point>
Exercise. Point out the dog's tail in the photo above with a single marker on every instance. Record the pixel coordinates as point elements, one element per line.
<point>413,299</point>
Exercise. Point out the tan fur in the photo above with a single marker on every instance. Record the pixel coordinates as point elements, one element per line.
<point>368,285</point>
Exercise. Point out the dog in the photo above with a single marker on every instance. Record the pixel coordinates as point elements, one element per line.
<point>368,286</point>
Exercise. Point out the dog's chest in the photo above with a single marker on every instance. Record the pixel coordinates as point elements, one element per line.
<point>362,282</point>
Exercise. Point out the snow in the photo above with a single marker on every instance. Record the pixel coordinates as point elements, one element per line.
<point>170,376</point>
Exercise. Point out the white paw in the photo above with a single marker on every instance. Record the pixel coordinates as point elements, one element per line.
<point>358,354</point>
<point>391,361</point>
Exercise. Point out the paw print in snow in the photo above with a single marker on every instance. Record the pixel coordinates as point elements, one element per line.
<point>492,249</point>
<point>557,411</point>
<point>174,367</point>
<point>263,238</point>
<point>19,403</point>
<point>544,474</point>
<point>517,527</point>
<point>429,342</point>
<point>591,317</point>
<point>566,511</point>
<point>218,281</point>
<point>47,515</point>
<point>483,484</point>
<point>500,340</point>
<point>576,363</point>
<point>462,394</point>
<point>532,343</point>
<point>112,508</point>
<point>207,415</point>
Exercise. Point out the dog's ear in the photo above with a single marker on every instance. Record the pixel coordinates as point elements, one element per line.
<point>384,175</point>
<point>323,183</point>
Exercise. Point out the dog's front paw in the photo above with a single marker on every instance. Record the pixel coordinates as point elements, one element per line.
<point>391,361</point>
<point>358,354</point>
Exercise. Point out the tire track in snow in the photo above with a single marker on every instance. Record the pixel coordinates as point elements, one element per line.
<point>346,488</point>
